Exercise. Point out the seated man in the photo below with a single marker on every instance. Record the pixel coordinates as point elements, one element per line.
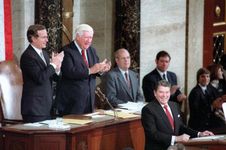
<point>161,72</point>
<point>162,122</point>
<point>121,83</point>
<point>203,102</point>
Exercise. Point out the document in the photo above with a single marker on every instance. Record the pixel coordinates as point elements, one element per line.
<point>77,121</point>
<point>132,106</point>
<point>207,138</point>
<point>123,115</point>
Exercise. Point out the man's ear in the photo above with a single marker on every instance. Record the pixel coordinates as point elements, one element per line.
<point>154,93</point>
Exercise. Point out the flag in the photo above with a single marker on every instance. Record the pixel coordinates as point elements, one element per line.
<point>6,46</point>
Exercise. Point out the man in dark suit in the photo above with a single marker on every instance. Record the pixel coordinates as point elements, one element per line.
<point>76,92</point>
<point>160,72</point>
<point>121,83</point>
<point>204,101</point>
<point>162,122</point>
<point>37,71</point>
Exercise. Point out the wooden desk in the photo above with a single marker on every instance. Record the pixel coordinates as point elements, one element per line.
<point>210,144</point>
<point>106,135</point>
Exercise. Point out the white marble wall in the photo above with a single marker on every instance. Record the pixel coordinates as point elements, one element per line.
<point>195,40</point>
<point>22,18</point>
<point>163,27</point>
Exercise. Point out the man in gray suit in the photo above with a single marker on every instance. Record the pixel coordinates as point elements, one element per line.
<point>121,83</point>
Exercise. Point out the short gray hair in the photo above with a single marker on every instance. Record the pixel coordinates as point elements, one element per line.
<point>83,27</point>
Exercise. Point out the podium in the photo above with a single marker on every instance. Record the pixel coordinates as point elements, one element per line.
<point>109,134</point>
<point>217,142</point>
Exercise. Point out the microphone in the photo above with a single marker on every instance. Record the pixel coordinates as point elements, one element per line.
<point>103,98</point>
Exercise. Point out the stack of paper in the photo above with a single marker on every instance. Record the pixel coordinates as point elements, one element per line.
<point>133,107</point>
<point>123,115</point>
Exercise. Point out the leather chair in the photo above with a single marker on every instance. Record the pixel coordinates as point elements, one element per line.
<point>11,84</point>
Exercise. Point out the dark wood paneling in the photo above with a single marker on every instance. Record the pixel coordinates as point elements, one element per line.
<point>214,23</point>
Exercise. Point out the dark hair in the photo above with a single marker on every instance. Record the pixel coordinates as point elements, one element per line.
<point>33,31</point>
<point>162,54</point>
<point>213,68</point>
<point>162,83</point>
<point>200,72</point>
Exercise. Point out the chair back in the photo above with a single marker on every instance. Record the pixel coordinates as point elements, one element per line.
<point>11,84</point>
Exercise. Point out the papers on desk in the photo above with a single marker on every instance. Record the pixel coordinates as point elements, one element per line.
<point>36,124</point>
<point>77,121</point>
<point>56,124</point>
<point>132,107</point>
<point>207,138</point>
<point>123,115</point>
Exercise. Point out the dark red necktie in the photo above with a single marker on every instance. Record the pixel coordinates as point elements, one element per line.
<point>84,57</point>
<point>169,116</point>
<point>127,79</point>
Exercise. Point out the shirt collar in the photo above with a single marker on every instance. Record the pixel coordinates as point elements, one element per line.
<point>123,71</point>
<point>79,48</point>
<point>37,49</point>
<point>203,87</point>
<point>161,73</point>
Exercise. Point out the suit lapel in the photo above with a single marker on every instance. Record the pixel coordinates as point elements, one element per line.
<point>164,117</point>
<point>123,82</point>
<point>37,57</point>
<point>74,47</point>
<point>175,116</point>
<point>133,84</point>
<point>169,77</point>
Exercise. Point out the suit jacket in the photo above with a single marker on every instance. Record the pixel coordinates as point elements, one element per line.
<point>202,116</point>
<point>76,85</point>
<point>150,80</point>
<point>37,88</point>
<point>157,128</point>
<point>117,90</point>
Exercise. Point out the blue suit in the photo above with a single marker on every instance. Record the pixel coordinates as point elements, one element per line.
<point>76,90</point>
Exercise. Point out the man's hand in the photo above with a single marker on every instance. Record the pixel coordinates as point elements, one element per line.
<point>57,59</point>
<point>100,67</point>
<point>182,138</point>
<point>173,89</point>
<point>205,133</point>
<point>181,97</point>
<point>107,65</point>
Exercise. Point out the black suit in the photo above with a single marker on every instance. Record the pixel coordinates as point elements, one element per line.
<point>76,93</point>
<point>157,128</point>
<point>202,116</point>
<point>151,79</point>
<point>37,90</point>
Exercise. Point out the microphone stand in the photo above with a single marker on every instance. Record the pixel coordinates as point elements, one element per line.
<point>103,98</point>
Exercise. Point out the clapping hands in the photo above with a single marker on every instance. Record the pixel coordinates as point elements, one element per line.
<point>101,67</point>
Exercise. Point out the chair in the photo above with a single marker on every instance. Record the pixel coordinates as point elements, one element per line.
<point>11,83</point>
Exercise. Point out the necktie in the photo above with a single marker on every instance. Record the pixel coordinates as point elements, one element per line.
<point>164,76</point>
<point>42,56</point>
<point>127,79</point>
<point>170,118</point>
<point>84,57</point>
